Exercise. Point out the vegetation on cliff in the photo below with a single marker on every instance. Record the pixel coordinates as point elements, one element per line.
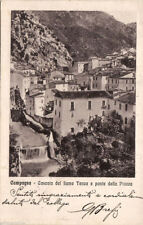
<point>35,44</point>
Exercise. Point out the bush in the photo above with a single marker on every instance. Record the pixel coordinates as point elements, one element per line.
<point>64,172</point>
<point>84,171</point>
<point>115,144</point>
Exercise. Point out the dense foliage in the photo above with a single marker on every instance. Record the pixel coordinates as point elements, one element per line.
<point>14,163</point>
<point>99,151</point>
<point>129,62</point>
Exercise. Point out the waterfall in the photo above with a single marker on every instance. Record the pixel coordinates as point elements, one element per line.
<point>51,145</point>
<point>43,151</point>
<point>34,152</point>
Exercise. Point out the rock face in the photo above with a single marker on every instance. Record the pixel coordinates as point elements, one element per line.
<point>35,44</point>
<point>88,34</point>
<point>49,39</point>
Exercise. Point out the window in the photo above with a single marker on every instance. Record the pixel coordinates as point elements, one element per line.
<point>126,107</point>
<point>89,105</point>
<point>108,106</point>
<point>126,120</point>
<point>126,81</point>
<point>72,130</point>
<point>72,115</point>
<point>56,101</point>
<point>132,81</point>
<point>103,103</point>
<point>126,88</point>
<point>103,113</point>
<point>114,102</point>
<point>55,112</point>
<point>112,81</point>
<point>59,114</point>
<point>72,106</point>
<point>120,106</point>
<point>59,103</point>
<point>132,88</point>
<point>96,78</point>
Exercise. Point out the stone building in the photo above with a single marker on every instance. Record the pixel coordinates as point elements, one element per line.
<point>73,110</point>
<point>124,105</point>
<point>99,82</point>
<point>123,82</point>
<point>80,67</point>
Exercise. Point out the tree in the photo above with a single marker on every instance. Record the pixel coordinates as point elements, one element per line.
<point>14,163</point>
<point>88,154</point>
<point>49,108</point>
<point>18,100</point>
<point>129,62</point>
<point>81,123</point>
<point>96,123</point>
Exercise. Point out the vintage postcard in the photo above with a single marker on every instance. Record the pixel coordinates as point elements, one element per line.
<point>71,112</point>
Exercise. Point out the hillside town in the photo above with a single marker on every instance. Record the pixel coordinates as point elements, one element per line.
<point>98,86</point>
<point>90,101</point>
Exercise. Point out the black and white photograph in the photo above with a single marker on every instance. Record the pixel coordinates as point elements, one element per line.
<point>72,94</point>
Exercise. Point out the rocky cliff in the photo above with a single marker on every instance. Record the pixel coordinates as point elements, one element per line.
<point>35,44</point>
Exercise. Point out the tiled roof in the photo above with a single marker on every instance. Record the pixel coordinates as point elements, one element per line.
<point>83,62</point>
<point>93,57</point>
<point>130,75</point>
<point>68,73</point>
<point>82,94</point>
<point>70,82</point>
<point>36,94</point>
<point>129,98</point>
<point>105,60</point>
<point>119,74</point>
<point>57,74</point>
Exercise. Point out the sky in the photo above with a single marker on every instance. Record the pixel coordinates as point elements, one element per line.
<point>124,16</point>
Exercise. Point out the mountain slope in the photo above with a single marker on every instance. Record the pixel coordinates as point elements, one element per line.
<point>132,26</point>
<point>88,33</point>
<point>35,44</point>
